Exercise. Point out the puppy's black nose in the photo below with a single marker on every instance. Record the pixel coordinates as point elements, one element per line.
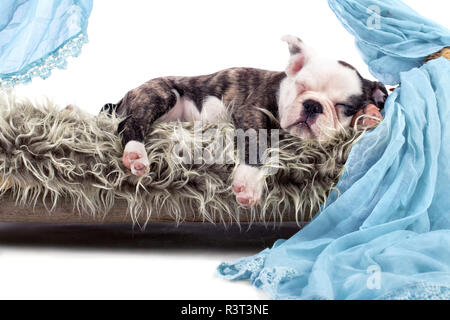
<point>312,107</point>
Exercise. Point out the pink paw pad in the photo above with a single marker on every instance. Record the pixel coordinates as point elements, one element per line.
<point>136,161</point>
<point>247,185</point>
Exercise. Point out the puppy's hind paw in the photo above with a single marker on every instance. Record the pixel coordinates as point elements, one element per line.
<point>248,184</point>
<point>135,158</point>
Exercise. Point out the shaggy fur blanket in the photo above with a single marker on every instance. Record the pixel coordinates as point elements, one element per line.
<point>49,155</point>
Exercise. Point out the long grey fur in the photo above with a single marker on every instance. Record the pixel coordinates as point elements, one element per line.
<point>48,155</point>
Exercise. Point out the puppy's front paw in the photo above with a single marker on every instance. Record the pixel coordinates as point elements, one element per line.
<point>368,118</point>
<point>135,158</point>
<point>248,184</point>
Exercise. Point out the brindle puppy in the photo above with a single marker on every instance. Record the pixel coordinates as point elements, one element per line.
<point>313,98</point>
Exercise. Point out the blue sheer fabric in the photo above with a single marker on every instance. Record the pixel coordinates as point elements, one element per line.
<point>391,36</point>
<point>387,235</point>
<point>37,36</point>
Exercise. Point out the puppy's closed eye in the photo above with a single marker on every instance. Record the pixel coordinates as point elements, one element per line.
<point>341,104</point>
<point>348,109</point>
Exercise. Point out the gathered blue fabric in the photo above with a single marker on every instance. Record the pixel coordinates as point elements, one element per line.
<point>391,37</point>
<point>37,36</point>
<point>387,234</point>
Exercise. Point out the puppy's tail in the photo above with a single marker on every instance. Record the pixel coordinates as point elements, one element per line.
<point>111,108</point>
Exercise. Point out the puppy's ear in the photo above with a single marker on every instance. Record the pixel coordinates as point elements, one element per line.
<point>298,53</point>
<point>374,93</point>
<point>379,94</point>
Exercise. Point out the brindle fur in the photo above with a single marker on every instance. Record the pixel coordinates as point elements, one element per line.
<point>243,89</point>
<point>356,103</point>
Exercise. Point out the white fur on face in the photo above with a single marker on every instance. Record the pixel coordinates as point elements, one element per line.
<point>325,81</point>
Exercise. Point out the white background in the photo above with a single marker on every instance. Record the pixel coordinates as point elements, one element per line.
<point>131,42</point>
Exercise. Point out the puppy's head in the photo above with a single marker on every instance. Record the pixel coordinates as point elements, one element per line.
<point>321,96</point>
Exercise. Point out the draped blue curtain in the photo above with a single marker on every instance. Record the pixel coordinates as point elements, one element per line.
<point>37,36</point>
<point>391,37</point>
<point>387,235</point>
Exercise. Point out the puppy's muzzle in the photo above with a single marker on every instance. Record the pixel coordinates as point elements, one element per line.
<point>312,107</point>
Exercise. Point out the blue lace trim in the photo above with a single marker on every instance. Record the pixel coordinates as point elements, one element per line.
<point>44,66</point>
<point>267,279</point>
<point>243,269</point>
<point>420,291</point>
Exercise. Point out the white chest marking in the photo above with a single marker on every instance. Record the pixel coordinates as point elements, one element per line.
<point>212,109</point>
<point>185,110</point>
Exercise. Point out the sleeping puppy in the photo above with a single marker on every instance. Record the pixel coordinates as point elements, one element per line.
<point>313,99</point>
